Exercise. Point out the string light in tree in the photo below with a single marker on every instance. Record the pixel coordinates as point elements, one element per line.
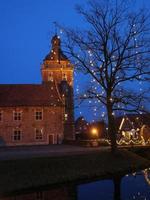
<point>94,103</point>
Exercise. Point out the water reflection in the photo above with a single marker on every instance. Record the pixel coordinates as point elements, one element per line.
<point>135,186</point>
<point>130,187</point>
<point>61,193</point>
<point>117,188</point>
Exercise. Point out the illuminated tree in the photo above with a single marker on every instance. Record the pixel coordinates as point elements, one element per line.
<point>114,49</point>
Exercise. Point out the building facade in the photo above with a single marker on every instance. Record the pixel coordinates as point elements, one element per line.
<point>40,113</point>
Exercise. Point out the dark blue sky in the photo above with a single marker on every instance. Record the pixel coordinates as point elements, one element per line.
<point>26,27</point>
<point>25,30</point>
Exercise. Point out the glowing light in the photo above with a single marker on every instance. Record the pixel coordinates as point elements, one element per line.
<point>121,123</point>
<point>94,131</point>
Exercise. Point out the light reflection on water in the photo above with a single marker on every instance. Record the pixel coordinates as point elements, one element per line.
<point>130,187</point>
<point>134,186</point>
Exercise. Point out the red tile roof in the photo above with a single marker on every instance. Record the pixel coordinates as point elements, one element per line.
<point>45,94</point>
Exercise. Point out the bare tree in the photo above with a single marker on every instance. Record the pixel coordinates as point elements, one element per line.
<point>114,49</point>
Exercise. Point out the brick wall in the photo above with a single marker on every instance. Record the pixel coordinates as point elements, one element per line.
<point>51,124</point>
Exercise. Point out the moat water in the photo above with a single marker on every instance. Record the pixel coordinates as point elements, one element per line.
<point>130,187</point>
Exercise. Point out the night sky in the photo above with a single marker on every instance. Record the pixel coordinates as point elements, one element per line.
<point>26,27</point>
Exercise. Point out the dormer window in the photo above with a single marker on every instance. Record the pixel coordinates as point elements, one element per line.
<point>50,76</point>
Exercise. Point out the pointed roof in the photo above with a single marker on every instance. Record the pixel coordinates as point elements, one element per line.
<point>56,53</point>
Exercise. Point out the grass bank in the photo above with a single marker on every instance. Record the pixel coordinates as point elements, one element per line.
<point>142,151</point>
<point>32,173</point>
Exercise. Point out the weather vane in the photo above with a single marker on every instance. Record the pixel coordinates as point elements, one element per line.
<point>55,27</point>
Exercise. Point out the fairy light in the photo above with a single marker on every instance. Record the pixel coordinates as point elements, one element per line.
<point>111,99</point>
<point>137,58</point>
<point>124,141</point>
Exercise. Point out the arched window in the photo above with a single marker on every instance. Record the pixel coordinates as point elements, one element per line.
<point>64,76</point>
<point>50,76</point>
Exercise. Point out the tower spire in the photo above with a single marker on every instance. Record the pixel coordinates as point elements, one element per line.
<point>56,54</point>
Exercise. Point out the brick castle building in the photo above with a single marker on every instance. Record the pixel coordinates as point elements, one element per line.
<point>33,114</point>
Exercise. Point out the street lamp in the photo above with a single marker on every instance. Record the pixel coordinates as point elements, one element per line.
<point>94,131</point>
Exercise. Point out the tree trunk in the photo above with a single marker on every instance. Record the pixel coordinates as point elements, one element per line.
<point>117,188</point>
<point>111,128</point>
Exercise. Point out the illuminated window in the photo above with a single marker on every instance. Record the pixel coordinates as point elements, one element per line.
<point>66,117</point>
<point>38,115</point>
<point>17,115</point>
<point>17,135</point>
<point>1,116</point>
<point>50,76</point>
<point>39,134</point>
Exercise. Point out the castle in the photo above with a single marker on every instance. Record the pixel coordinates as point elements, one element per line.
<point>36,114</point>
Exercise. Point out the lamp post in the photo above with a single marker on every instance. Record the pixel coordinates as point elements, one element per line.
<point>94,133</point>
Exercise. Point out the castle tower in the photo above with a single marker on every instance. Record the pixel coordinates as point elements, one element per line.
<point>57,68</point>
